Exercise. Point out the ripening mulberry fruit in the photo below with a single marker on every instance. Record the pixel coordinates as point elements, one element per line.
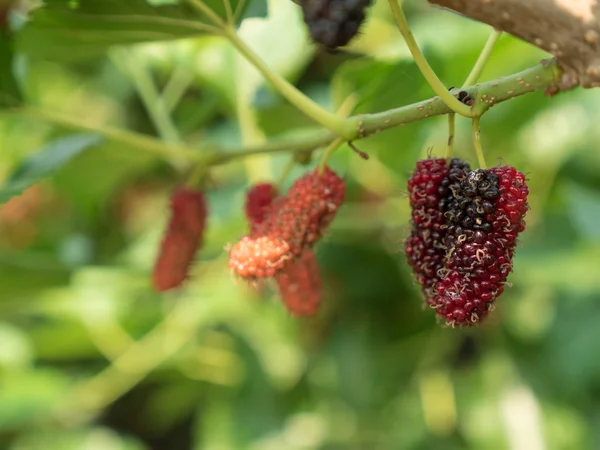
<point>484,219</point>
<point>423,248</point>
<point>258,201</point>
<point>333,23</point>
<point>300,285</point>
<point>301,216</point>
<point>292,224</point>
<point>181,240</point>
<point>259,257</point>
<point>299,282</point>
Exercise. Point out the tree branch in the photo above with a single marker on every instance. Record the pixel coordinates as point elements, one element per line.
<point>545,75</point>
<point>567,29</point>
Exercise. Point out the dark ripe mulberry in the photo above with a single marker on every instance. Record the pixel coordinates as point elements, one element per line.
<point>181,240</point>
<point>470,197</point>
<point>457,172</point>
<point>333,23</point>
<point>479,257</point>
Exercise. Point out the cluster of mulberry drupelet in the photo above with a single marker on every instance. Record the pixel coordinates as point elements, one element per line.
<point>464,230</point>
<point>333,23</point>
<point>283,230</point>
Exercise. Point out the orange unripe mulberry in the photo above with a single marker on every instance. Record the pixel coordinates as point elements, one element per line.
<point>182,239</point>
<point>259,257</point>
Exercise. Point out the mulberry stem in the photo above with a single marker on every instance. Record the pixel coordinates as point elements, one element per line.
<point>316,112</point>
<point>433,80</point>
<point>477,143</point>
<point>483,58</point>
<point>545,75</point>
<point>328,152</point>
<point>471,79</point>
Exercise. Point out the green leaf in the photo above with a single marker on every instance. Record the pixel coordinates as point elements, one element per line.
<point>375,82</point>
<point>255,8</point>
<point>46,162</point>
<point>86,30</point>
<point>10,95</point>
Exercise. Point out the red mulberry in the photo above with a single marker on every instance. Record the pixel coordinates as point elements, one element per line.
<point>424,248</point>
<point>300,285</point>
<point>181,240</point>
<point>258,201</point>
<point>301,217</point>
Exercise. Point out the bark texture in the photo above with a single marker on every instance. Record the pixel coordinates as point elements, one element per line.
<point>567,29</point>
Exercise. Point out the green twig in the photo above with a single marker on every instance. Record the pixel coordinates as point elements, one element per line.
<point>433,80</point>
<point>127,138</point>
<point>319,114</point>
<point>477,143</point>
<point>145,86</point>
<point>139,359</point>
<point>176,86</point>
<point>224,156</point>
<point>152,100</point>
<point>483,58</point>
<point>471,79</point>
<point>328,152</point>
<point>545,75</point>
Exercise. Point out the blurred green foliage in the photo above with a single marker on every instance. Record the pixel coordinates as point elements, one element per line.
<point>91,358</point>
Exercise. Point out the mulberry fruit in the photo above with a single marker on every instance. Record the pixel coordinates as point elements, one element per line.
<point>464,229</point>
<point>484,219</point>
<point>302,216</point>
<point>258,257</point>
<point>283,231</point>
<point>333,23</point>
<point>300,285</point>
<point>424,248</point>
<point>181,240</point>
<point>258,201</point>
<point>299,282</point>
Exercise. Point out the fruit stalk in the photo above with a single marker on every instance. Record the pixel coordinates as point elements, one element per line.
<point>433,80</point>
<point>319,114</point>
<point>477,143</point>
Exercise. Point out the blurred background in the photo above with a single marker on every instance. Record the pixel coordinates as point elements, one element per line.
<point>91,358</point>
